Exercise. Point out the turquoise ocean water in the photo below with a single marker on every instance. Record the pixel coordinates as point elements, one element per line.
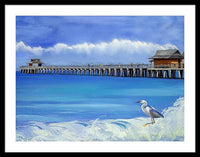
<point>92,108</point>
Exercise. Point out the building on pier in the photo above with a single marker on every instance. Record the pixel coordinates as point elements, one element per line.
<point>35,62</point>
<point>171,58</point>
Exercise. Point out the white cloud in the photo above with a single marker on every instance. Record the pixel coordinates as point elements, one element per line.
<point>21,47</point>
<point>116,46</point>
<point>58,48</point>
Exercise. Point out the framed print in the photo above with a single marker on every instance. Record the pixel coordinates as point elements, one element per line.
<point>100,78</point>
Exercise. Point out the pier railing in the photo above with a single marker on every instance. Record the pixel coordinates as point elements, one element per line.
<point>90,66</point>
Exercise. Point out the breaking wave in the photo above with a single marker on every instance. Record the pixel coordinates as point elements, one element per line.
<point>170,128</point>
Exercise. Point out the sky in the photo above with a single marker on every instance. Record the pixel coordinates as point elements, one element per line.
<point>82,40</point>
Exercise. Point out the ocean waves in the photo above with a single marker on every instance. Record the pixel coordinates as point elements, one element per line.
<point>170,128</point>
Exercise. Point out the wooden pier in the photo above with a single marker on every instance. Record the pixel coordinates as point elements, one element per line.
<point>135,70</point>
<point>167,64</point>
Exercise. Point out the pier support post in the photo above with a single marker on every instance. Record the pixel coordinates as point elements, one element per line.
<point>156,73</point>
<point>179,74</point>
<point>147,75</point>
<point>173,74</point>
<point>121,72</point>
<point>140,71</point>
<point>134,73</point>
<point>181,71</point>
<point>99,72</point>
<point>127,72</point>
<point>164,74</point>
<point>152,73</point>
<point>103,72</point>
<point>170,74</point>
<point>109,72</point>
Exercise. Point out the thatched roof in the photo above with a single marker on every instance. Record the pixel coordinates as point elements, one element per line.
<point>167,54</point>
<point>35,61</point>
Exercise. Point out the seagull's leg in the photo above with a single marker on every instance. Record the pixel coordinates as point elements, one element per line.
<point>152,122</point>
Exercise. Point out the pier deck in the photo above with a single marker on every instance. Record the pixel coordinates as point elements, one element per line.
<point>136,70</point>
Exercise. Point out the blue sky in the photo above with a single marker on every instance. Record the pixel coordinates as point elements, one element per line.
<point>62,40</point>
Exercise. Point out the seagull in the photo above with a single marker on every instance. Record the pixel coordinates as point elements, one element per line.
<point>150,111</point>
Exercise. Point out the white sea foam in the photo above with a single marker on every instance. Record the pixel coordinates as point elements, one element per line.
<point>170,128</point>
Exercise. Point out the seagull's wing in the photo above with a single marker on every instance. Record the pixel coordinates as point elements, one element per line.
<point>155,113</point>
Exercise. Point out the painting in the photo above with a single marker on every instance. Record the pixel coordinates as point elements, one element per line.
<point>90,90</point>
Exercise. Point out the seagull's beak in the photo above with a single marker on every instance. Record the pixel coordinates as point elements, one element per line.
<point>138,102</point>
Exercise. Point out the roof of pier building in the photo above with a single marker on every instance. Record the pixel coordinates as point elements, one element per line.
<point>35,61</point>
<point>167,54</point>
